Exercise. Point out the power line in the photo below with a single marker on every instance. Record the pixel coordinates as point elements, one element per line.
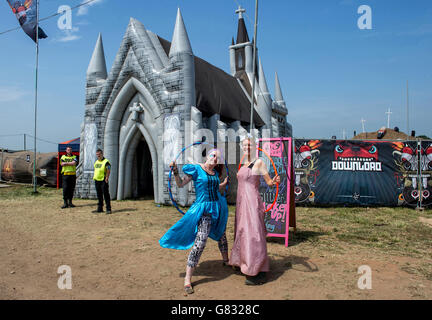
<point>43,140</point>
<point>51,16</point>
<point>29,135</point>
<point>10,135</point>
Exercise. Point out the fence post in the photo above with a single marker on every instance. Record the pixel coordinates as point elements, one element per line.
<point>1,166</point>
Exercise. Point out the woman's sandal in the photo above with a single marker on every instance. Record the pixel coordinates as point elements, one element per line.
<point>188,289</point>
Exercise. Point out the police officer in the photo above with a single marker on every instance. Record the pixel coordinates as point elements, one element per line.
<point>102,169</point>
<point>68,162</point>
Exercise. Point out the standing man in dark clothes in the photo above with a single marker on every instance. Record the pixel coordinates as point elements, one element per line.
<point>68,162</point>
<point>102,169</point>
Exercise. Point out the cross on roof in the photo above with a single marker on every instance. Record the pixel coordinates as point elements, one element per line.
<point>388,113</point>
<point>240,12</point>
<point>363,122</point>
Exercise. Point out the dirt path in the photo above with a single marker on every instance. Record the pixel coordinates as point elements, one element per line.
<point>118,257</point>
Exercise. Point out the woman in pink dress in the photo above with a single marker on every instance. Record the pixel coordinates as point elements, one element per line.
<point>249,251</point>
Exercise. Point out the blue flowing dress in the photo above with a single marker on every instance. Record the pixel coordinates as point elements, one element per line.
<point>182,235</point>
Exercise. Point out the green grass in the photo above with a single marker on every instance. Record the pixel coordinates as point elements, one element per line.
<point>16,192</point>
<point>391,230</point>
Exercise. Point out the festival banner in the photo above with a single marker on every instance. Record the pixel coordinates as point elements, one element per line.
<point>426,173</point>
<point>356,172</point>
<point>282,213</point>
<point>26,12</point>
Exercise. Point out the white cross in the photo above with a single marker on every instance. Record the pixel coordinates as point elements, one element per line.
<point>136,109</point>
<point>388,113</point>
<point>240,11</point>
<point>363,122</point>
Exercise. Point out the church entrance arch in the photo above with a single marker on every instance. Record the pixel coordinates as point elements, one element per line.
<point>129,142</point>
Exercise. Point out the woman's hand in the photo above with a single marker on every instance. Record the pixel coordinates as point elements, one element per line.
<point>174,168</point>
<point>225,180</point>
<point>276,179</point>
<point>180,182</point>
<point>223,184</point>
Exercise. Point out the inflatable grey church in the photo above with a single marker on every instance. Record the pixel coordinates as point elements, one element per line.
<point>156,87</point>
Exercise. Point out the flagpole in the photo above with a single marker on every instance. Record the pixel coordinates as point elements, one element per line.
<point>36,98</point>
<point>254,68</point>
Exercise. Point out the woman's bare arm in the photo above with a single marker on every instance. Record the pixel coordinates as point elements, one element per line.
<point>262,169</point>
<point>181,182</point>
<point>223,185</point>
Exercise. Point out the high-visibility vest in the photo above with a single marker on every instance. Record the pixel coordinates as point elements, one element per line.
<point>68,170</point>
<point>100,169</point>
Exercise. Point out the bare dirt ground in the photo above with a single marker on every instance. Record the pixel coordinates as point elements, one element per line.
<point>117,256</point>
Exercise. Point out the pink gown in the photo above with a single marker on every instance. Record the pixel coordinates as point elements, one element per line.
<point>249,251</point>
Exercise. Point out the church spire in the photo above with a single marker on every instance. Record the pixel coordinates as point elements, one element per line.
<point>262,79</point>
<point>278,91</point>
<point>97,66</point>
<point>180,40</point>
<point>242,35</point>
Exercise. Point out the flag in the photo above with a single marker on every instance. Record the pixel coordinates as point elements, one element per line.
<point>25,12</point>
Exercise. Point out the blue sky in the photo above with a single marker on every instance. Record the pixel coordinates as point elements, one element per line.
<point>332,73</point>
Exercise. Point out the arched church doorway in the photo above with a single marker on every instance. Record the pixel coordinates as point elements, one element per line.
<point>142,173</point>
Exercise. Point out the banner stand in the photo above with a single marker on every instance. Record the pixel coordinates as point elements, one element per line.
<point>282,214</point>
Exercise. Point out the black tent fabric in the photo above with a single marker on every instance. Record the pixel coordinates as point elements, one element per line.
<point>219,93</point>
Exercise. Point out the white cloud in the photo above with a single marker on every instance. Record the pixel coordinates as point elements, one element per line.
<point>68,35</point>
<point>68,38</point>
<point>11,93</point>
<point>83,10</point>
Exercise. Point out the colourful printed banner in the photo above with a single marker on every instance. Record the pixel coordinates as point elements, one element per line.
<point>282,215</point>
<point>25,12</point>
<point>355,172</point>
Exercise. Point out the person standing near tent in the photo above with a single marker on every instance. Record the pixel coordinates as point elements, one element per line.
<point>249,250</point>
<point>68,162</point>
<point>102,169</point>
<point>207,217</point>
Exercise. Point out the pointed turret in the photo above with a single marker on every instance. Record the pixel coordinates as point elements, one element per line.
<point>264,106</point>
<point>262,79</point>
<point>242,35</point>
<point>280,125</point>
<point>182,61</point>
<point>180,40</point>
<point>138,31</point>
<point>97,67</point>
<point>278,91</point>
<point>241,52</point>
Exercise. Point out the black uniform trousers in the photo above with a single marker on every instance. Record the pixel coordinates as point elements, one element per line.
<point>68,184</point>
<point>102,191</point>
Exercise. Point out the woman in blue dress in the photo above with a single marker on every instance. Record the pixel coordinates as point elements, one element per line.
<point>207,217</point>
